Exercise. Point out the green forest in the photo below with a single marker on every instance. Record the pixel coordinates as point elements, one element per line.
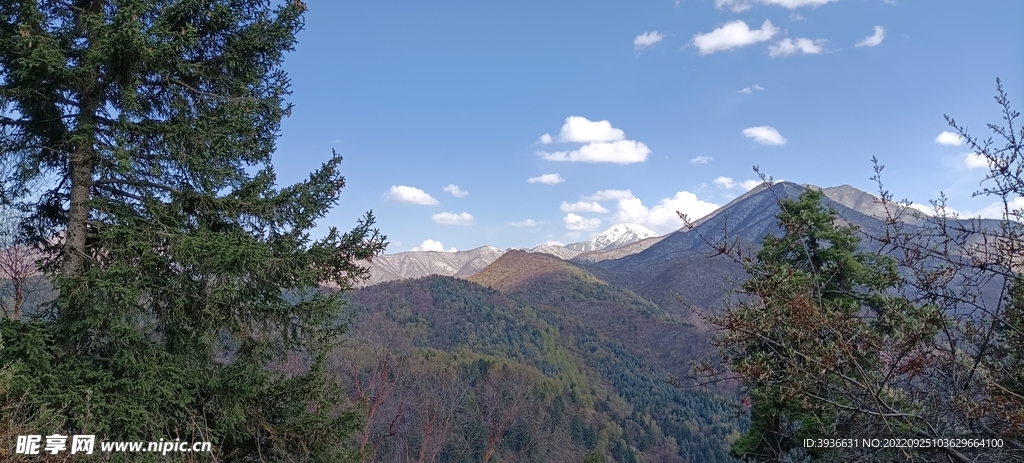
<point>158,283</point>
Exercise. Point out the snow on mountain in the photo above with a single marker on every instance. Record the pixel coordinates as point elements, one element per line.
<point>617,236</point>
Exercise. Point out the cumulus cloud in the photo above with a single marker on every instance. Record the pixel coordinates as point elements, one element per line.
<point>727,182</point>
<point>455,191</point>
<point>765,135</point>
<point>874,39</point>
<point>743,5</point>
<point>583,206</point>
<point>733,34</point>
<point>547,179</point>
<point>578,223</point>
<point>662,218</point>
<point>451,218</point>
<point>975,161</point>
<point>619,152</point>
<point>701,160</point>
<point>525,223</point>
<point>431,245</point>
<point>750,89</point>
<point>647,39</point>
<point>724,181</point>
<point>997,210</point>
<point>410,195</point>
<point>949,139</point>
<point>922,208</point>
<point>602,143</point>
<point>750,184</point>
<point>787,47</point>
<point>607,195</point>
<point>582,130</point>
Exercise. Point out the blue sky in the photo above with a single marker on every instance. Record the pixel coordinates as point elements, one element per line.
<point>672,101</point>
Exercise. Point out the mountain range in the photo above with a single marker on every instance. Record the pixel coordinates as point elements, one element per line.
<point>748,218</point>
<point>608,329</point>
<point>416,264</point>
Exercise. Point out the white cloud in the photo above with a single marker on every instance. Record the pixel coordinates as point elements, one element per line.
<point>410,195</point>
<point>451,218</point>
<point>456,191</point>
<point>765,135</point>
<point>724,181</point>
<point>750,184</point>
<point>647,39</point>
<point>796,17</point>
<point>602,143</point>
<point>750,89</point>
<point>874,39</point>
<point>922,208</point>
<point>577,223</point>
<point>662,218</point>
<point>582,130</point>
<point>995,210</point>
<point>949,139</point>
<point>619,152</point>
<point>727,182</point>
<point>606,195</point>
<point>743,5</point>
<point>583,206</point>
<point>547,179</point>
<point>975,161</point>
<point>733,34</point>
<point>787,47</point>
<point>701,160</point>
<point>525,223</point>
<point>431,245</point>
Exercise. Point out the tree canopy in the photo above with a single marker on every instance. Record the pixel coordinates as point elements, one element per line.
<point>911,333</point>
<point>188,303</point>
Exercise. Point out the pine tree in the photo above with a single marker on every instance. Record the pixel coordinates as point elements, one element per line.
<point>188,301</point>
<point>817,337</point>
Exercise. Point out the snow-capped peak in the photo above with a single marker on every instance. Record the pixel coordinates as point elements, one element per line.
<point>617,235</point>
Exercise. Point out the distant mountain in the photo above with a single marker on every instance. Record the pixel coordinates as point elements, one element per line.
<point>561,252</point>
<point>416,264</point>
<point>617,241</point>
<point>619,252</point>
<point>516,268</point>
<point>678,271</point>
<point>748,218</point>
<point>615,237</point>
<point>867,203</point>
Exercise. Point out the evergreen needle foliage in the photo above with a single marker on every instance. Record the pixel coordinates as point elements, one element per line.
<point>822,341</point>
<point>187,281</point>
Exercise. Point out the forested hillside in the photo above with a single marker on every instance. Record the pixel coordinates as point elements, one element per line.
<point>558,370</point>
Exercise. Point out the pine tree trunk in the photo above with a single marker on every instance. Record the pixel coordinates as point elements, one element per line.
<point>82,161</point>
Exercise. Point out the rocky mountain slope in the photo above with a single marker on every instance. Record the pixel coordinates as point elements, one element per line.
<point>462,264</point>
<point>747,218</point>
<point>615,237</point>
<point>404,265</point>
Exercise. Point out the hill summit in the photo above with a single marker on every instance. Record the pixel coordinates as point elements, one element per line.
<point>616,236</point>
<point>516,268</point>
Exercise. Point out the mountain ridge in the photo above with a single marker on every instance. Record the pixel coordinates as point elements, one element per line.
<point>748,217</point>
